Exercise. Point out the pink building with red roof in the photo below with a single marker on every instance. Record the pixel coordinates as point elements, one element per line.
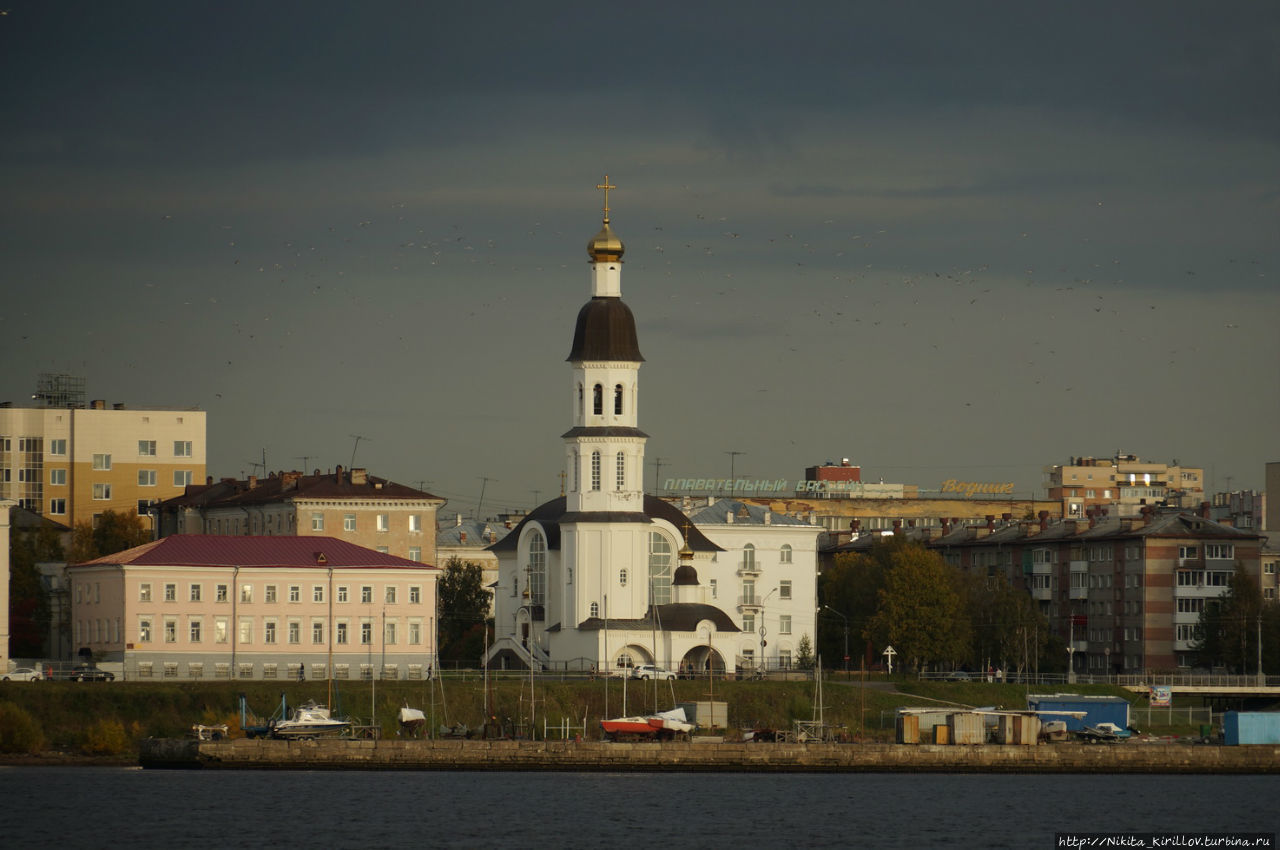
<point>193,606</point>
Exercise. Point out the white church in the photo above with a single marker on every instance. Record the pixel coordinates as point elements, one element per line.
<point>605,577</point>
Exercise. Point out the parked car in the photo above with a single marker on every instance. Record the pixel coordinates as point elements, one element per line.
<point>648,671</point>
<point>86,673</point>
<point>22,674</point>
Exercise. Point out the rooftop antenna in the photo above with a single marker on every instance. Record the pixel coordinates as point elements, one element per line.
<point>304,459</point>
<point>733,485</point>
<point>357,438</point>
<point>657,473</point>
<point>483,483</point>
<point>535,498</point>
<point>253,466</point>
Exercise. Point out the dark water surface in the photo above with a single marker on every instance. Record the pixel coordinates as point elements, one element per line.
<point>133,808</point>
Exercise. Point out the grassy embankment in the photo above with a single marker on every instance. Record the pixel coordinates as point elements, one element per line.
<point>101,719</point>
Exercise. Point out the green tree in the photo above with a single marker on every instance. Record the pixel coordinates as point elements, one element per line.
<point>804,653</point>
<point>1228,627</point>
<point>113,532</point>
<point>29,609</point>
<point>1009,632</point>
<point>464,606</point>
<point>920,611</point>
<point>851,587</point>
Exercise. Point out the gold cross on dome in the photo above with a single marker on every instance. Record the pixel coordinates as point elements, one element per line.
<point>606,186</point>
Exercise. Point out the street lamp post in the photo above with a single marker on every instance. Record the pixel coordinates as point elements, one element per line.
<point>528,610</point>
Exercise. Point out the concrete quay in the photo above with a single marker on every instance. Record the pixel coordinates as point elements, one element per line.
<point>342,754</point>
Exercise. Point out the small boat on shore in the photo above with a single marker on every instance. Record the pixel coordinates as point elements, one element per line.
<point>309,721</point>
<point>663,726</point>
<point>412,720</point>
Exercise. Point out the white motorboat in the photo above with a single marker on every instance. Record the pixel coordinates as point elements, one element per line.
<point>412,720</point>
<point>309,721</point>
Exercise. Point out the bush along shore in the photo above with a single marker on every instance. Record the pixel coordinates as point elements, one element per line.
<point>68,722</point>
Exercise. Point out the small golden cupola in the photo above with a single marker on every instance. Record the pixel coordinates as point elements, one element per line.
<point>605,246</point>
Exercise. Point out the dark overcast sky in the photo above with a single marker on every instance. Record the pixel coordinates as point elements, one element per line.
<point>946,240</point>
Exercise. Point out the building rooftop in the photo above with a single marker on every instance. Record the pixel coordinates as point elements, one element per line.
<point>214,550</point>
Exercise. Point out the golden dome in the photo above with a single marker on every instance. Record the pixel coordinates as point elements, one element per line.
<point>605,246</point>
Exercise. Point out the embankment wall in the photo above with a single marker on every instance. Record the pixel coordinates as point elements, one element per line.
<point>342,754</point>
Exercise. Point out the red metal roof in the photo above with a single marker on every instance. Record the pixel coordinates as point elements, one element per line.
<point>212,550</point>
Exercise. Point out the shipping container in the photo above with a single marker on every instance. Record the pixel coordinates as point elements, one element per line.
<point>967,728</point>
<point>908,728</point>
<point>1251,727</point>
<point>1097,709</point>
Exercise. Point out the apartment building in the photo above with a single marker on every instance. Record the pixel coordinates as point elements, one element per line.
<point>351,505</point>
<point>1125,593</point>
<point>1124,481</point>
<point>220,607</point>
<point>71,464</point>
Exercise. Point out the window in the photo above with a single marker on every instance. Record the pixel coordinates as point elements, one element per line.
<point>415,523</point>
<point>102,492</point>
<point>146,478</point>
<point>317,593</point>
<point>295,632</point>
<point>749,623</point>
<point>366,594</point>
<point>748,557</point>
<point>269,631</point>
<point>597,400</point>
<point>193,630</point>
<point>415,632</point>
<point>220,593</point>
<point>784,624</point>
<point>295,593</point>
<point>784,554</point>
<point>784,589</point>
<point>58,477</point>
<point>220,629</point>
<point>714,587</point>
<point>246,630</point>
<point>144,592</point>
<point>1185,552</point>
<point>415,553</point>
<point>617,400</point>
<point>390,634</point>
<point>144,630</point>
<point>415,595</point>
<point>595,609</point>
<point>147,448</point>
<point>622,577</point>
<point>270,593</point>
<point>620,473</point>
<point>340,634</point>
<point>57,506</point>
<point>317,521</point>
<point>384,522</point>
<point>181,448</point>
<point>342,593</point>
<point>317,631</point>
<point>246,593</point>
<point>181,477</point>
<point>366,633</point>
<point>385,550</point>
<point>170,593</point>
<point>1219,550</point>
<point>748,592</point>
<point>391,594</point>
<point>1269,568</point>
<point>537,569</point>
<point>348,522</point>
<point>659,569</point>
<point>595,470</point>
<point>101,461</point>
<point>784,659</point>
<point>57,447</point>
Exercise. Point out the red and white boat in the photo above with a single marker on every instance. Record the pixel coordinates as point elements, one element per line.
<point>662,725</point>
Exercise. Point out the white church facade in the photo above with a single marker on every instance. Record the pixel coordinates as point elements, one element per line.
<point>605,577</point>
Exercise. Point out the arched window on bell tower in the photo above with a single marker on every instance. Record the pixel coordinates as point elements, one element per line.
<point>617,400</point>
<point>597,403</point>
<point>582,407</point>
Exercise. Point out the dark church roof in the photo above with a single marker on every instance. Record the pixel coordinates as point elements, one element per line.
<point>606,330</point>
<point>674,617</point>
<point>551,514</point>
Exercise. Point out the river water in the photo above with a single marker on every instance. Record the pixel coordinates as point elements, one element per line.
<point>132,808</point>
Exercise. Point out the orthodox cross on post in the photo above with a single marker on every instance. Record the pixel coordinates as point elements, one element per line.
<point>606,186</point>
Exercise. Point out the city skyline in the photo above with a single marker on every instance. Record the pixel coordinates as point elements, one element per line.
<point>944,242</point>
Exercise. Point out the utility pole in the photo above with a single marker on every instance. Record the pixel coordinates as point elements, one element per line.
<point>733,456</point>
<point>484,481</point>
<point>657,473</point>
<point>357,438</point>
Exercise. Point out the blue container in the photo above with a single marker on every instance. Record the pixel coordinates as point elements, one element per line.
<point>1251,727</point>
<point>1098,709</point>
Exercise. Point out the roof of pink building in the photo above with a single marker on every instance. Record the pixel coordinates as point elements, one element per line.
<point>212,550</point>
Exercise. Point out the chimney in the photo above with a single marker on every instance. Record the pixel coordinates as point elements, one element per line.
<point>1044,520</point>
<point>768,517</point>
<point>991,522</point>
<point>1006,517</point>
<point>492,535</point>
<point>462,537</point>
<point>1204,510</point>
<point>253,481</point>
<point>359,475</point>
<point>337,473</point>
<point>457,520</point>
<point>289,480</point>
<point>897,526</point>
<point>98,404</point>
<point>118,406</point>
<point>1093,518</point>
<point>813,517</point>
<point>946,526</point>
<point>855,526</point>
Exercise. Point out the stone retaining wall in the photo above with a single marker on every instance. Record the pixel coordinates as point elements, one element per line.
<point>1131,757</point>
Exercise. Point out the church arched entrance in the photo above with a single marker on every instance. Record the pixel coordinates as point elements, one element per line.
<point>701,660</point>
<point>629,656</point>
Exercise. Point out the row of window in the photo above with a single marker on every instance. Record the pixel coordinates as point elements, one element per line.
<point>1212,551</point>
<point>342,593</point>
<point>1202,578</point>
<point>381,521</point>
<point>272,670</point>
<point>597,399</point>
<point>146,478</point>
<point>1104,635</point>
<point>273,631</point>
<point>619,472</point>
